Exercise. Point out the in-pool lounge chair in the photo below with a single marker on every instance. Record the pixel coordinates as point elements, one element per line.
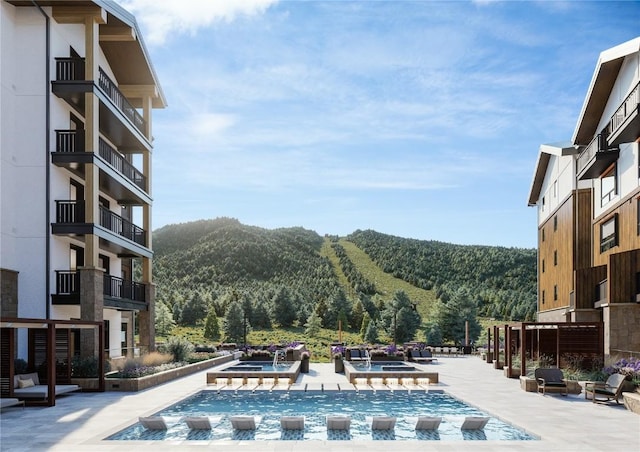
<point>9,401</point>
<point>605,391</point>
<point>338,422</point>
<point>383,423</point>
<point>292,422</point>
<point>550,379</point>
<point>243,422</point>
<point>428,423</point>
<point>474,423</point>
<point>198,422</point>
<point>153,423</point>
<point>27,386</point>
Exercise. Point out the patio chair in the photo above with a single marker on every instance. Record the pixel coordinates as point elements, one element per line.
<point>550,378</point>
<point>610,389</point>
<point>292,422</point>
<point>243,422</point>
<point>428,423</point>
<point>153,423</point>
<point>383,423</point>
<point>338,422</point>
<point>474,423</point>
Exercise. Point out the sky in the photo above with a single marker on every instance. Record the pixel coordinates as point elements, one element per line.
<point>418,119</point>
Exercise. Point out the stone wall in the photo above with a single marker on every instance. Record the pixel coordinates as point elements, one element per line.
<point>621,328</point>
<point>8,293</point>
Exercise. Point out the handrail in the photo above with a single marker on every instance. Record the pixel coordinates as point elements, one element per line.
<point>121,288</point>
<point>599,143</point>
<point>122,165</point>
<point>628,106</point>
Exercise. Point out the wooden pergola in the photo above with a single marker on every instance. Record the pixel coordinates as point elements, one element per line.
<point>46,337</point>
<point>581,342</point>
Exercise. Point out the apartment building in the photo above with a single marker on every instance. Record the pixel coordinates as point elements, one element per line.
<point>587,193</point>
<point>77,91</point>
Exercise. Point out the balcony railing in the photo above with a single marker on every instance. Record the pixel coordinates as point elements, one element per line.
<point>70,141</point>
<point>598,144</point>
<point>628,107</point>
<point>111,90</point>
<point>601,292</point>
<point>68,284</point>
<point>69,212</point>
<point>120,288</point>
<point>120,164</point>
<point>115,223</point>
<point>73,69</point>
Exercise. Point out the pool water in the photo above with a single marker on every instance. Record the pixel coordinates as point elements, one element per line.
<point>258,367</point>
<point>315,406</point>
<point>383,367</point>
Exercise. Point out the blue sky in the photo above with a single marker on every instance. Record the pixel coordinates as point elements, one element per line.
<point>418,119</point>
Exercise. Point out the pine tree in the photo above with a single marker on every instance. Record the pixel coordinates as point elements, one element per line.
<point>313,325</point>
<point>371,336</point>
<point>164,319</point>
<point>211,326</point>
<point>234,323</point>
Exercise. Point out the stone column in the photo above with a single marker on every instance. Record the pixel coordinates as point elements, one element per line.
<point>91,307</point>
<point>146,320</point>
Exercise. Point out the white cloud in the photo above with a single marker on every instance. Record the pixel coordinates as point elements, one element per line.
<point>161,18</point>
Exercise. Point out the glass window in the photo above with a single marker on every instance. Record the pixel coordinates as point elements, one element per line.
<point>555,223</point>
<point>609,234</point>
<point>555,293</point>
<point>555,257</point>
<point>608,185</point>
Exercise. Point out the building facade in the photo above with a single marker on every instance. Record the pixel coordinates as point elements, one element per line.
<point>77,90</point>
<point>587,193</point>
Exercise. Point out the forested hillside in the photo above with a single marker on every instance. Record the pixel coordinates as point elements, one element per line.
<point>501,280</point>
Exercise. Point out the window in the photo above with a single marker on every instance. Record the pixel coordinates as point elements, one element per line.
<point>543,297</point>
<point>608,185</point>
<point>638,214</point>
<point>555,257</point>
<point>555,293</point>
<point>542,265</point>
<point>555,188</point>
<point>609,234</point>
<point>543,233</point>
<point>555,223</point>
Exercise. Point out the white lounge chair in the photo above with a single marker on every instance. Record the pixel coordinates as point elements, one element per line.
<point>153,423</point>
<point>383,423</point>
<point>292,422</point>
<point>338,422</point>
<point>243,422</point>
<point>198,422</point>
<point>428,423</point>
<point>9,401</point>
<point>27,386</point>
<point>474,423</point>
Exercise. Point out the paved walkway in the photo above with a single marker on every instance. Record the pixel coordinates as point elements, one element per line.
<point>79,422</point>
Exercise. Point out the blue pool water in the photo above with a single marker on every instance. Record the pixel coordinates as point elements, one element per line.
<point>315,406</point>
<point>382,367</point>
<point>258,366</point>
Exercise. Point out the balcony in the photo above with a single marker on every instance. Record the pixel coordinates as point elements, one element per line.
<point>118,176</point>
<point>118,293</point>
<point>601,294</point>
<point>119,120</point>
<point>596,158</point>
<point>115,232</point>
<point>624,126</point>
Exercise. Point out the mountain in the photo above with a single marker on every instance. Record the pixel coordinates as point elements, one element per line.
<point>214,258</point>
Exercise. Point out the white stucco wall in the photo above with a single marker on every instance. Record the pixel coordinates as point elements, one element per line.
<point>559,183</point>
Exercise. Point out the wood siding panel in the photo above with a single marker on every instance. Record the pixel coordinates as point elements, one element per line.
<point>628,238</point>
<point>621,277</point>
<point>583,244</point>
<point>587,279</point>
<point>558,239</point>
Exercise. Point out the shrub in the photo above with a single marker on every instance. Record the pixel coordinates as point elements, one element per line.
<point>156,359</point>
<point>179,347</point>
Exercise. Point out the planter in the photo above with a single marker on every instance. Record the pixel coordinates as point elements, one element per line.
<point>138,384</point>
<point>304,366</point>
<point>87,384</point>
<point>338,365</point>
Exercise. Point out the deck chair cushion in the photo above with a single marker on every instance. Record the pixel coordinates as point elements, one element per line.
<point>153,423</point>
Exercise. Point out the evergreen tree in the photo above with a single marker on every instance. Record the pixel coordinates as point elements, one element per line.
<point>357,313</point>
<point>283,310</point>
<point>371,336</point>
<point>261,317</point>
<point>321,309</point>
<point>366,319</point>
<point>211,326</point>
<point>337,303</point>
<point>233,324</point>
<point>313,325</point>
<point>450,317</point>
<point>194,310</point>
<point>400,318</point>
<point>164,319</point>
<point>433,335</point>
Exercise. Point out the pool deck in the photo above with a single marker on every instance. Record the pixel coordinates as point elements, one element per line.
<point>79,422</point>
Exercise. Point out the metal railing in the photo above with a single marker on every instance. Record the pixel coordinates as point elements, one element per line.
<point>69,141</point>
<point>120,164</point>
<point>629,105</point>
<point>69,212</point>
<point>67,282</point>
<point>598,144</point>
<point>73,69</point>
<point>601,291</point>
<point>121,288</point>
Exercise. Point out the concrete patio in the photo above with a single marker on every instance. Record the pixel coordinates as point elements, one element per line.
<point>79,422</point>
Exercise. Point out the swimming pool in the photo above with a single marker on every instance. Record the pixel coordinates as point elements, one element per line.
<point>246,370</point>
<point>315,406</point>
<point>382,369</point>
